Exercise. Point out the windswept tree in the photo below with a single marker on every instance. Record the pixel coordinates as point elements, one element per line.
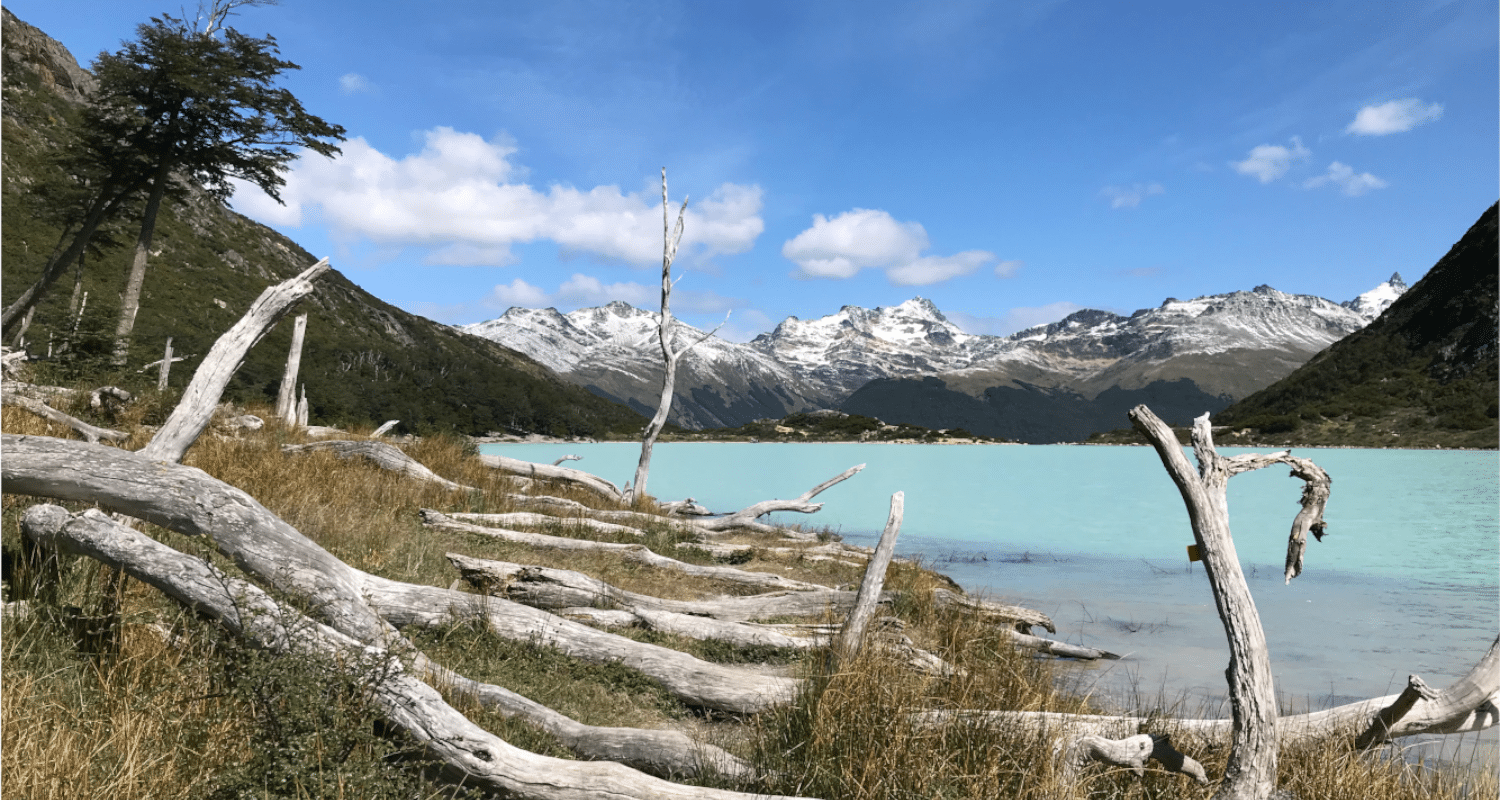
<point>184,103</point>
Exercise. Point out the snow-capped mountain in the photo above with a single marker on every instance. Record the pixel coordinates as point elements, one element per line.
<point>1225,346</point>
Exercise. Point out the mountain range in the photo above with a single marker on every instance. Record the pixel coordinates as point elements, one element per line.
<point>909,363</point>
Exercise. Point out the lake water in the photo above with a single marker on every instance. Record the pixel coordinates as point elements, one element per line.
<point>1407,581</point>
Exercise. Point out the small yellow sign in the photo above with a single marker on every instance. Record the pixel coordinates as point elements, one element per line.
<point>1193,554</point>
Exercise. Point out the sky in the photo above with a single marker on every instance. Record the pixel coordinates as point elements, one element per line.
<point>1010,161</point>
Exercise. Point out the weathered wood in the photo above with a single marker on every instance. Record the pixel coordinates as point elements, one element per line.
<point>165,371</point>
<point>191,502</point>
<point>746,518</point>
<point>1470,704</point>
<point>286,409</point>
<point>1251,771</point>
<point>479,758</point>
<point>196,408</point>
<point>631,552</point>
<point>386,456</point>
<point>302,409</point>
<point>92,433</point>
<point>1056,648</point>
<point>1131,752</point>
<point>384,428</point>
<point>851,637</point>
<point>109,399</point>
<point>1022,618</point>
<point>533,520</point>
<point>574,477</point>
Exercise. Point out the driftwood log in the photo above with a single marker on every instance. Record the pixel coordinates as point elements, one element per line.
<point>386,456</point>
<point>91,433</point>
<point>551,472</point>
<point>470,753</point>
<point>535,520</point>
<point>851,637</point>
<point>747,518</point>
<point>286,409</point>
<point>632,552</point>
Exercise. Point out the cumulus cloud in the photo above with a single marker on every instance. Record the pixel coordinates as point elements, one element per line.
<point>1130,196</point>
<point>1016,319</point>
<point>1007,269</point>
<point>1397,116</point>
<point>463,197</point>
<point>354,83</point>
<point>521,293</point>
<point>1267,162</point>
<point>1344,177</point>
<point>871,239</point>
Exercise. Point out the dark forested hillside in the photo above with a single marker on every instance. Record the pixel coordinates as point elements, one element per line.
<point>364,360</point>
<point>1422,374</point>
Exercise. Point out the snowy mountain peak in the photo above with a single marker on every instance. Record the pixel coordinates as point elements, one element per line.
<point>1372,303</point>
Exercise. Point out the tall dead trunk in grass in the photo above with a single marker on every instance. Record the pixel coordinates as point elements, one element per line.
<point>1251,771</point>
<point>669,353</point>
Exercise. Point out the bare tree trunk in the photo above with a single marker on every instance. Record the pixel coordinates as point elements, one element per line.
<point>286,409</point>
<point>166,367</point>
<point>851,637</point>
<point>302,408</point>
<point>194,411</point>
<point>130,301</point>
<point>669,354</point>
<point>1251,771</point>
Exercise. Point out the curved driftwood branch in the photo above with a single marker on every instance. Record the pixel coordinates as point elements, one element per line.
<point>196,408</point>
<point>386,456</point>
<point>478,757</point>
<point>746,518</point>
<point>632,552</point>
<point>552,472</point>
<point>90,432</point>
<point>1132,753</point>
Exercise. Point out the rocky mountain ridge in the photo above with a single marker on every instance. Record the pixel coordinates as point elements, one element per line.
<point>1224,345</point>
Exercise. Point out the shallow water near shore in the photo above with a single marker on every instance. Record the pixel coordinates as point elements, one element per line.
<point>1407,581</point>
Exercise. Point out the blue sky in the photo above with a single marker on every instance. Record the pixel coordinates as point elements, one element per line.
<point>1012,161</point>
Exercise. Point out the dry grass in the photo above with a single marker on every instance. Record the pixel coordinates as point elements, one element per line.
<point>157,721</point>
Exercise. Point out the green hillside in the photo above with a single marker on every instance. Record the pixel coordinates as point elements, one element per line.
<point>364,360</point>
<point>1421,375</point>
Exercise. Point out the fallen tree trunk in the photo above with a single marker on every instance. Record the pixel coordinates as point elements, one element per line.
<point>747,517</point>
<point>631,552</point>
<point>89,432</point>
<point>551,472</point>
<point>470,753</point>
<point>530,519</point>
<point>1023,619</point>
<point>191,502</point>
<point>851,637</point>
<point>385,456</point>
<point>1468,705</point>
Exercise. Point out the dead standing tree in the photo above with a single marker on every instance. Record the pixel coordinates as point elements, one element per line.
<point>669,353</point>
<point>1251,771</point>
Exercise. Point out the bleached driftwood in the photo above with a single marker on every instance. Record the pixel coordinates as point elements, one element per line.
<point>364,606</point>
<point>851,636</point>
<point>1131,752</point>
<point>92,433</point>
<point>385,456</point>
<point>1251,771</point>
<point>574,477</point>
<point>193,412</point>
<point>1055,648</point>
<point>746,518</point>
<point>476,756</point>
<point>1470,704</point>
<point>384,428</point>
<point>529,519</point>
<point>1022,618</point>
<point>631,552</point>
<point>286,409</point>
<point>109,398</point>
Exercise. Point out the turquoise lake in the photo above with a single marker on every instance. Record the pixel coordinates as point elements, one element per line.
<point>1407,581</point>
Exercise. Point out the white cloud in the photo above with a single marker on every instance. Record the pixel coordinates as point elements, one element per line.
<point>521,293</point>
<point>1006,269</point>
<point>463,196</point>
<point>871,239</point>
<point>1016,319</point>
<point>1130,196</point>
<point>1267,162</point>
<point>1397,116</point>
<point>354,83</point>
<point>586,290</point>
<point>582,290</point>
<point>1344,177</point>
